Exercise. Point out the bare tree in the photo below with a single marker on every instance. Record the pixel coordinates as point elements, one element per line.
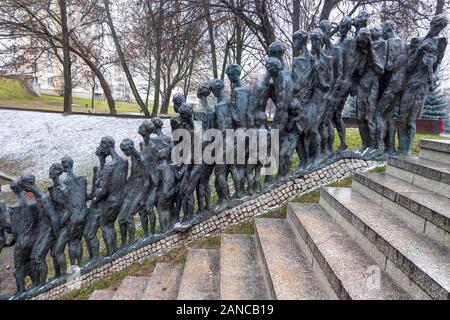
<point>174,44</point>
<point>33,27</point>
<point>123,61</point>
<point>66,57</point>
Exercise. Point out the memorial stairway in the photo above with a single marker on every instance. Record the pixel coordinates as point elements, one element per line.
<point>387,237</point>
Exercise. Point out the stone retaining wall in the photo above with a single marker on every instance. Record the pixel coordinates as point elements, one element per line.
<point>259,205</point>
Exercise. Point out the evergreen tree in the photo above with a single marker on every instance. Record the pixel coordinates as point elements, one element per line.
<point>350,108</point>
<point>436,108</point>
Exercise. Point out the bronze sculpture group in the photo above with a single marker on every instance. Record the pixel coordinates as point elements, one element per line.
<point>374,65</point>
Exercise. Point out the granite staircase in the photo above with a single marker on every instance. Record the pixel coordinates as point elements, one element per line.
<point>387,237</point>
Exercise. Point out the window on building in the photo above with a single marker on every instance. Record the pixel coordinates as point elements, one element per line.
<point>50,81</point>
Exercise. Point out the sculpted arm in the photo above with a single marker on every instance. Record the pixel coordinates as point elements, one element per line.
<point>5,227</point>
<point>340,66</point>
<point>67,213</point>
<point>390,57</point>
<point>47,207</point>
<point>234,115</point>
<point>378,57</point>
<point>103,189</point>
<point>412,52</point>
<point>4,222</point>
<point>166,151</point>
<point>90,195</point>
<point>442,47</point>
<point>50,211</point>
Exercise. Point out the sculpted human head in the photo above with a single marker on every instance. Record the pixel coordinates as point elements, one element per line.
<point>325,26</point>
<point>127,147</point>
<point>345,26</point>
<point>101,156</point>
<point>67,163</point>
<point>178,100</point>
<point>361,20</point>
<point>55,171</point>
<point>429,49</point>
<point>375,33</point>
<point>234,72</point>
<point>316,40</point>
<point>186,112</point>
<point>146,128</point>
<point>274,66</point>
<point>363,38</point>
<point>388,28</point>
<point>27,182</point>
<point>107,144</point>
<point>203,91</point>
<point>217,87</point>
<point>300,39</point>
<point>15,187</point>
<point>158,124</point>
<point>277,50</point>
<point>438,23</point>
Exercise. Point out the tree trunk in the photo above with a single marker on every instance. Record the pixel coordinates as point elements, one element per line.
<point>187,83</point>
<point>67,65</point>
<point>93,93</point>
<point>225,61</point>
<point>266,27</point>
<point>147,95</point>
<point>106,91</point>
<point>327,8</point>
<point>166,100</point>
<point>239,42</point>
<point>212,41</point>
<point>440,6</point>
<point>296,20</point>
<point>123,61</point>
<point>158,62</point>
<point>157,82</point>
<point>101,78</point>
<point>149,83</point>
<point>165,84</point>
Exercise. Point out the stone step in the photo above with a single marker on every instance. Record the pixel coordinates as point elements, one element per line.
<point>426,211</point>
<point>428,174</point>
<point>241,277</point>
<point>164,282</point>
<point>131,288</point>
<point>200,280</point>
<point>347,269</point>
<point>102,295</point>
<point>437,150</point>
<point>417,263</point>
<point>287,272</point>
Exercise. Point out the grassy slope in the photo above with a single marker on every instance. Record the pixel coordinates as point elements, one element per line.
<point>13,90</point>
<point>12,94</point>
<point>354,140</point>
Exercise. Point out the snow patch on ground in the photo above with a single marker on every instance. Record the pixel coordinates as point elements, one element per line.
<point>36,140</point>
